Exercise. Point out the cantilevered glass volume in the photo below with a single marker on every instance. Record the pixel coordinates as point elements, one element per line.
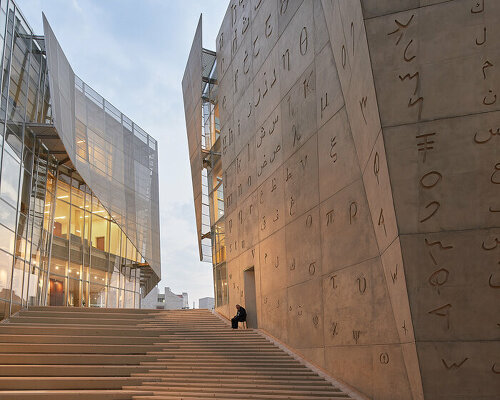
<point>79,220</point>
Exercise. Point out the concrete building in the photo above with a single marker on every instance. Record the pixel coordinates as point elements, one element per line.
<point>79,220</point>
<point>207,303</point>
<point>165,301</point>
<point>346,179</point>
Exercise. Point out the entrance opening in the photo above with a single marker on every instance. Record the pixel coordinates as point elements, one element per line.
<point>56,293</point>
<point>250,297</point>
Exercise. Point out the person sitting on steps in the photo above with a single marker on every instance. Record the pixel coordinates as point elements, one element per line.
<point>240,316</point>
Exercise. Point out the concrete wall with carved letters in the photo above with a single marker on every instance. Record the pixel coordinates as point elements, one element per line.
<point>361,157</point>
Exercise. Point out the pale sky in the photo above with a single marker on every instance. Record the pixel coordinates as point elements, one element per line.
<point>134,54</point>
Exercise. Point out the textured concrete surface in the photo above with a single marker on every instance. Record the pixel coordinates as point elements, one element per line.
<point>365,137</point>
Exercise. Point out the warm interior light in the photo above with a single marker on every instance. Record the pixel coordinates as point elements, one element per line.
<point>63,197</point>
<point>57,267</point>
<point>81,141</point>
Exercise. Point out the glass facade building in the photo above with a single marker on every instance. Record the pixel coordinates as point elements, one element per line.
<point>79,220</point>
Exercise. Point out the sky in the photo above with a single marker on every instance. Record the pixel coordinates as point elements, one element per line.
<point>134,54</point>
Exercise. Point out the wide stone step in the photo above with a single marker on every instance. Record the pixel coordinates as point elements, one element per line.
<point>95,310</point>
<point>82,314</point>
<point>65,383</point>
<point>70,370</point>
<point>73,330</point>
<point>241,394</point>
<point>268,385</point>
<point>71,394</point>
<point>40,348</point>
<point>46,339</point>
<point>216,379</point>
<point>71,359</point>
<point>72,321</point>
<point>156,387</point>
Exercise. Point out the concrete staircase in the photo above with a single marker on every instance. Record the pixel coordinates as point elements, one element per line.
<point>81,353</point>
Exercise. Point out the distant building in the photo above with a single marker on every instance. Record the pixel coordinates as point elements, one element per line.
<point>165,301</point>
<point>206,302</point>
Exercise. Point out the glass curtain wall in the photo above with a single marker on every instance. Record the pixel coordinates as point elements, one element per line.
<point>27,169</point>
<point>92,262</point>
<point>212,177</point>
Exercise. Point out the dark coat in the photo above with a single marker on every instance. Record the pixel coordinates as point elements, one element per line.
<point>241,315</point>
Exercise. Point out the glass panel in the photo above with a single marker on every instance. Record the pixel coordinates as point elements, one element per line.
<point>78,197</point>
<point>100,233</point>
<point>4,309</point>
<point>97,295</point>
<point>85,294</point>
<point>32,285</point>
<point>74,270</point>
<point>61,219</point>
<point>121,298</point>
<point>57,291</point>
<point>137,300</point>
<point>6,239</point>
<point>17,281</point>
<point>129,300</point>
<point>77,221</point>
<point>114,242</point>
<point>20,247</point>
<point>113,297</point>
<point>58,266</point>
<point>5,274</point>
<point>51,182</point>
<point>63,187</point>
<point>40,287</point>
<point>24,197</point>
<point>9,183</point>
<point>7,215</point>
<point>74,293</point>
<point>14,140</point>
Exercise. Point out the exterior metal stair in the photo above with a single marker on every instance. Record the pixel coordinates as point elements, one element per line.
<point>88,353</point>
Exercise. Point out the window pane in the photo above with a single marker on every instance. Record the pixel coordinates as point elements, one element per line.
<point>4,309</point>
<point>32,285</point>
<point>13,140</point>
<point>7,215</point>
<point>61,219</point>
<point>112,297</point>
<point>17,281</point>
<point>9,183</point>
<point>5,275</point>
<point>77,221</point>
<point>74,293</point>
<point>97,295</point>
<point>6,239</point>
<point>57,291</point>
<point>77,197</point>
<point>100,233</point>
<point>114,242</point>
<point>24,197</point>
<point>63,187</point>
